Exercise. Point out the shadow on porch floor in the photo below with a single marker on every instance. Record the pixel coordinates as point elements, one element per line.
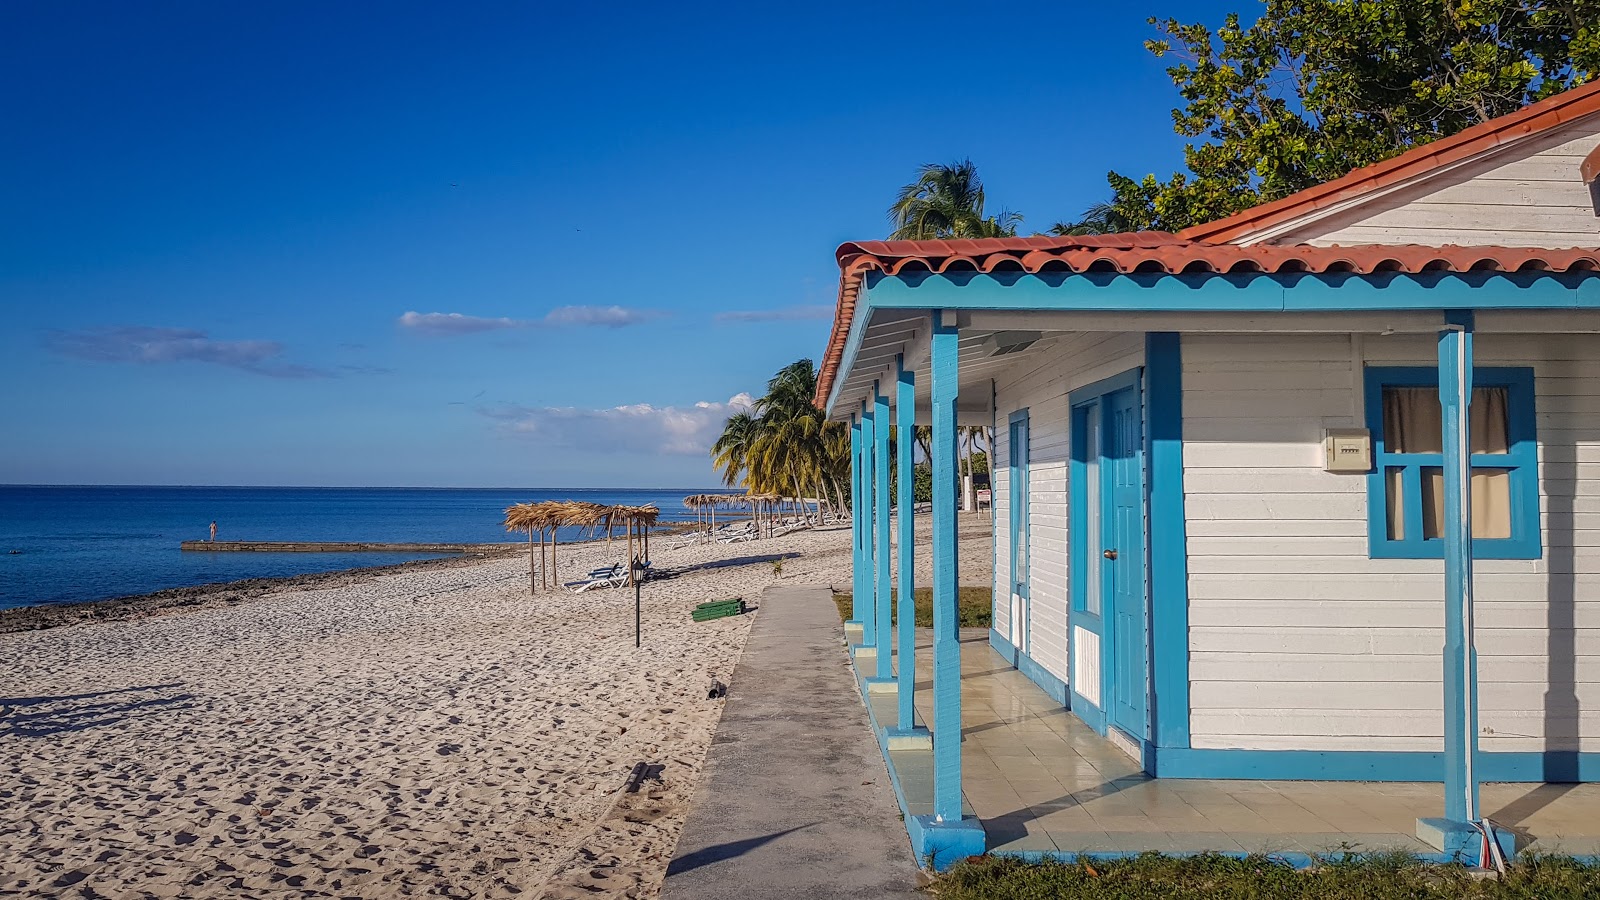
<point>1041,780</point>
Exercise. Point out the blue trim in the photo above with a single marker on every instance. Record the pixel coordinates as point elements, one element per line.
<point>1556,766</point>
<point>869,506</point>
<point>1089,392</point>
<point>943,385</point>
<point>858,566</point>
<point>1039,675</point>
<point>905,412</point>
<point>1527,539</point>
<point>1157,292</point>
<point>883,632</point>
<point>1167,544</point>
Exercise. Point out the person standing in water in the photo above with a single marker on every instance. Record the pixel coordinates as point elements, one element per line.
<point>213,532</point>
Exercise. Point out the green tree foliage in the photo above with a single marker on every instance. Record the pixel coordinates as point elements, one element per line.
<point>1317,88</point>
<point>947,202</point>
<point>784,445</point>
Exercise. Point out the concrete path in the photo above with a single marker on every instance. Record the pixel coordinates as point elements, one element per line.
<point>796,800</point>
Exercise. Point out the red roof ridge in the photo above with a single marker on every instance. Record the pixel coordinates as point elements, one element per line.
<point>1531,120</point>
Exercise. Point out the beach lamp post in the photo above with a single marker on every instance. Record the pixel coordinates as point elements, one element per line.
<point>638,582</point>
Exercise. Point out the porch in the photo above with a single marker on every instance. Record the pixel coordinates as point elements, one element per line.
<point>1042,783</point>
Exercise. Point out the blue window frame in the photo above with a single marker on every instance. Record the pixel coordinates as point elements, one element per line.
<point>1405,485</point>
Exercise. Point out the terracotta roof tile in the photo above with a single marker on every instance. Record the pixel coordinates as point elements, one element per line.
<point>1156,252</point>
<point>1531,120</point>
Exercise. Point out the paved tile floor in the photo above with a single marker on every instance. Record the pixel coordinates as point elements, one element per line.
<point>1041,780</point>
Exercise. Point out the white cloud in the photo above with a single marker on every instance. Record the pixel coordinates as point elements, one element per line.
<point>802,313</point>
<point>640,427</point>
<point>149,346</point>
<point>442,324</point>
<point>596,316</point>
<point>455,323</point>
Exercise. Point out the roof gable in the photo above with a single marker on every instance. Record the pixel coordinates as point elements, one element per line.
<point>1299,217</point>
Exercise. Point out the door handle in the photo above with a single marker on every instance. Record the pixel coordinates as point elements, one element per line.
<point>1110,554</point>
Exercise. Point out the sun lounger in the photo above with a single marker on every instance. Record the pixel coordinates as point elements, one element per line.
<point>615,576</point>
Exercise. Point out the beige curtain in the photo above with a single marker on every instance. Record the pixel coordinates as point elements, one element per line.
<point>1413,422</point>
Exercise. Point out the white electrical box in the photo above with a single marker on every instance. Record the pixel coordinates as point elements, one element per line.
<point>1347,449</point>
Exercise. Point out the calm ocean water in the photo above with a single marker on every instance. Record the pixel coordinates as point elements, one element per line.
<point>66,544</point>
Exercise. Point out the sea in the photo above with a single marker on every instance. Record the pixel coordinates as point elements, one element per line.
<point>68,544</point>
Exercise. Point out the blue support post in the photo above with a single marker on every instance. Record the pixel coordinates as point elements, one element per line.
<point>945,836</point>
<point>858,566</point>
<point>905,411</point>
<point>866,609</point>
<point>1457,830</point>
<point>882,630</point>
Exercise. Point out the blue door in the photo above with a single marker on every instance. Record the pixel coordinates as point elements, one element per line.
<point>1122,567</point>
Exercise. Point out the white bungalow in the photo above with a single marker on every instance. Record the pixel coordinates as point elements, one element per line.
<point>1236,470</point>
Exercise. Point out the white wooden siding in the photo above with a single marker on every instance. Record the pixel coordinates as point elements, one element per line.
<point>1299,640</point>
<point>1040,382</point>
<point>1524,196</point>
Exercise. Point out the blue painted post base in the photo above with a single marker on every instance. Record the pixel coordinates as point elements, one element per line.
<point>1462,840</point>
<point>914,738</point>
<point>854,632</point>
<point>940,845</point>
<point>881,685</point>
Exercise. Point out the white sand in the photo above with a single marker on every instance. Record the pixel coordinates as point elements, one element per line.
<point>432,732</point>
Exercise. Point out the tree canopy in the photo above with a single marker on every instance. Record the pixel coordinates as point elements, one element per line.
<point>1316,88</point>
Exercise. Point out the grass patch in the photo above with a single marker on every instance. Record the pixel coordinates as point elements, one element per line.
<point>974,606</point>
<point>1214,877</point>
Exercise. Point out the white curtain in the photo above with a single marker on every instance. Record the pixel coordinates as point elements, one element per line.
<point>1413,422</point>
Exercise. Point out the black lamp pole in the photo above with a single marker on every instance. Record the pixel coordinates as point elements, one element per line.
<point>638,580</point>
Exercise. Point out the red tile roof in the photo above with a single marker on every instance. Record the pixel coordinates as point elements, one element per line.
<point>1158,252</point>
<point>1527,122</point>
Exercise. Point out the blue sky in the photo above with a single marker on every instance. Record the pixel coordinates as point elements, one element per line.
<point>490,245</point>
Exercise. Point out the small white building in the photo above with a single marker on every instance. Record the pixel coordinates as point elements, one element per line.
<point>1232,469</point>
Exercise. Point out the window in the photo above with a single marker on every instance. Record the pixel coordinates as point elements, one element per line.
<point>1405,514</point>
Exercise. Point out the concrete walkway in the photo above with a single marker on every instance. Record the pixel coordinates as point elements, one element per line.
<point>796,800</point>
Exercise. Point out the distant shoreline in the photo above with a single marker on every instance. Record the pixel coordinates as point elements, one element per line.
<point>215,594</point>
<point>227,593</point>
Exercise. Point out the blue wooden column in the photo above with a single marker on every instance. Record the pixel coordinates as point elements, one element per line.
<point>1457,830</point>
<point>880,495</point>
<point>944,837</point>
<point>858,567</point>
<point>905,413</point>
<point>866,610</point>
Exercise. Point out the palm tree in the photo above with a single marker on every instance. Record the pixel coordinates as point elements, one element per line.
<point>731,452</point>
<point>947,202</point>
<point>1101,218</point>
<point>784,444</point>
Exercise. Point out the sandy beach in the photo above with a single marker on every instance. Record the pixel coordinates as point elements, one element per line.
<point>431,731</point>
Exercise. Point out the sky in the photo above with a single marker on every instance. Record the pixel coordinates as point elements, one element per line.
<point>473,245</point>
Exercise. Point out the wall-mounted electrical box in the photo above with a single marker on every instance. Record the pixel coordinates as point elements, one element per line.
<point>1347,450</point>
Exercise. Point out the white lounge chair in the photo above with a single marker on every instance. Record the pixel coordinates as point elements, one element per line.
<point>614,576</point>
